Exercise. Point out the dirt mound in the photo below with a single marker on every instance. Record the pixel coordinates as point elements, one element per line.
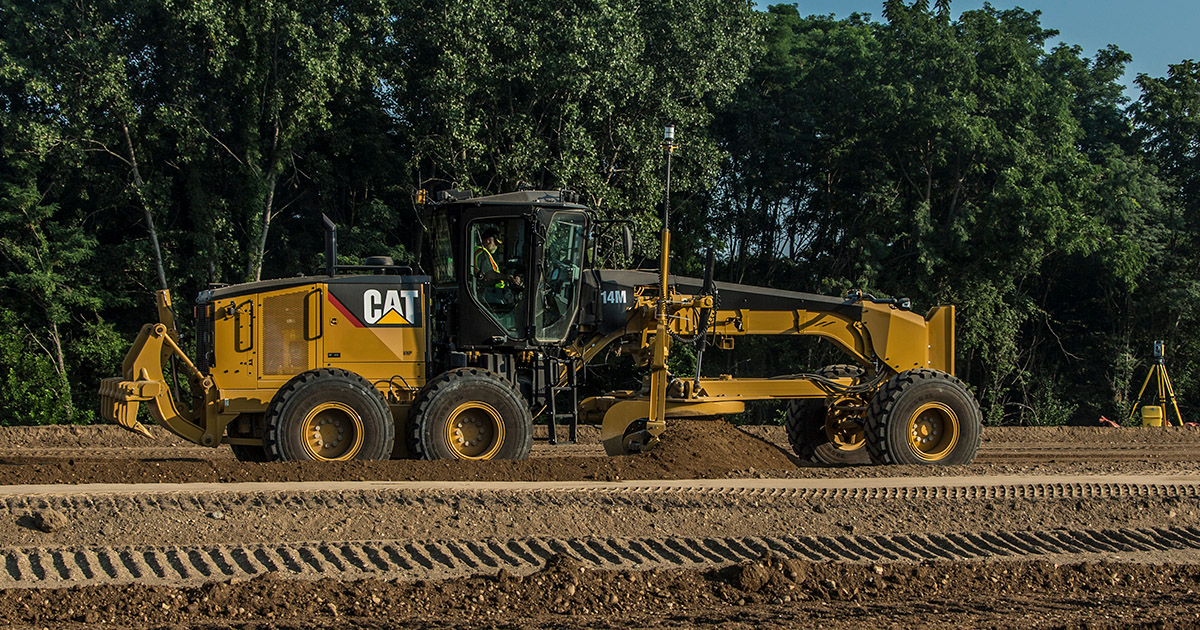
<point>783,593</point>
<point>111,436</point>
<point>108,436</point>
<point>692,450</point>
<point>716,445</point>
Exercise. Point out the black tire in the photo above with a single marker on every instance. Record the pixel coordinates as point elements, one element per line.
<point>328,415</point>
<point>250,453</point>
<point>924,417</point>
<point>807,432</point>
<point>470,413</point>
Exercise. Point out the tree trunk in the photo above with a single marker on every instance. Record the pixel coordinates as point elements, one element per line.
<point>256,259</point>
<point>137,186</point>
<point>60,365</point>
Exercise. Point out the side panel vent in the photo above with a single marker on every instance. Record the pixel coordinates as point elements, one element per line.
<point>204,338</point>
<point>285,350</point>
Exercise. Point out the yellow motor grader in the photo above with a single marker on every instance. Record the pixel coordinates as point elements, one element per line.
<point>375,361</point>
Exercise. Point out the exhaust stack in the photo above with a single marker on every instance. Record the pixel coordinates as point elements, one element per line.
<point>330,246</point>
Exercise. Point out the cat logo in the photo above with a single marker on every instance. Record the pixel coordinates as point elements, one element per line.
<point>391,308</point>
<point>377,305</point>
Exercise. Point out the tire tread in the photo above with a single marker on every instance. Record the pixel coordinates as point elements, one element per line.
<point>430,392</point>
<point>271,435</point>
<point>884,402</point>
<point>803,414</point>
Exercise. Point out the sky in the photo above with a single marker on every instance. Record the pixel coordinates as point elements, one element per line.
<point>1156,33</point>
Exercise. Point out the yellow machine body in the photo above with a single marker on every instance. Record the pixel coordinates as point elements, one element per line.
<point>261,340</point>
<point>876,336</point>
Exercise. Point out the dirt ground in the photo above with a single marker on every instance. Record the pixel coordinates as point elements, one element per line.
<point>692,450</point>
<point>770,592</point>
<point>1059,486</point>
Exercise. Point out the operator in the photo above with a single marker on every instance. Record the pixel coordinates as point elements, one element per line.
<point>486,269</point>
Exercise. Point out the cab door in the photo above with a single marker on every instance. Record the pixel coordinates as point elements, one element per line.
<point>496,280</point>
<point>556,295</point>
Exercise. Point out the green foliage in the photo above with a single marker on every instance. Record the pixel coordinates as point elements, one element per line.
<point>31,391</point>
<point>562,94</point>
<point>955,162</point>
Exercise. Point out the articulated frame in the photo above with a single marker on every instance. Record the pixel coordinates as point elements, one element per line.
<point>876,336</point>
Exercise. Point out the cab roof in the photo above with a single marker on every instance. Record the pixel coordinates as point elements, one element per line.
<point>565,198</point>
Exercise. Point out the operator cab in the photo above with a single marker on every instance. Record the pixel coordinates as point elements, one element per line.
<point>507,269</point>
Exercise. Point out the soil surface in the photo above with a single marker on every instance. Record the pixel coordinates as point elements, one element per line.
<point>1063,527</point>
<point>690,450</point>
<point>769,592</point>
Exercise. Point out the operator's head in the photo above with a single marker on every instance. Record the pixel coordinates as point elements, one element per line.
<point>491,239</point>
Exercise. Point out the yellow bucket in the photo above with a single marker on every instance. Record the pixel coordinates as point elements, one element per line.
<point>1152,416</point>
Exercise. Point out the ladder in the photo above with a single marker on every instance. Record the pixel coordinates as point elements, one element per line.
<point>554,367</point>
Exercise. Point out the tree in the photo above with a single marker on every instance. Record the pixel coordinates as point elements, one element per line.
<point>76,62</point>
<point>580,100</point>
<point>1167,123</point>
<point>270,74</point>
<point>954,162</point>
<point>44,260</point>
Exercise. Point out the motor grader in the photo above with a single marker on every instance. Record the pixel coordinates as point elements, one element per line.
<point>375,361</point>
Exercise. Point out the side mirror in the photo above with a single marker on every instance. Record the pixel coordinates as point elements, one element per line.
<point>627,240</point>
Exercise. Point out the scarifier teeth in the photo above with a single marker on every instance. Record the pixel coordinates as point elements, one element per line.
<point>135,427</point>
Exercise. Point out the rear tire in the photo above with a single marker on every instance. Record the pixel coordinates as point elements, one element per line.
<point>813,431</point>
<point>470,413</point>
<point>924,417</point>
<point>328,415</point>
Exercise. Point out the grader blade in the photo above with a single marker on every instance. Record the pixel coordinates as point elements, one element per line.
<point>625,430</point>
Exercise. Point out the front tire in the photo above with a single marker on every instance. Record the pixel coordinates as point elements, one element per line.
<point>825,435</point>
<point>924,417</point>
<point>328,415</point>
<point>470,413</point>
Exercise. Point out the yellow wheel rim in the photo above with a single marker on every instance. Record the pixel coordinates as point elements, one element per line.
<point>933,431</point>
<point>332,431</point>
<point>475,431</point>
<point>844,429</point>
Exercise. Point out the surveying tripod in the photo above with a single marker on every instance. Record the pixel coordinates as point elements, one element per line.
<point>1166,393</point>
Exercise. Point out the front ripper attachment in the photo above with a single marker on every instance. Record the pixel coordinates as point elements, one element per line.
<point>143,380</point>
<point>120,399</point>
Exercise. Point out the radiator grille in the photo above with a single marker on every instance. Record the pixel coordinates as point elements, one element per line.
<point>204,338</point>
<point>285,350</point>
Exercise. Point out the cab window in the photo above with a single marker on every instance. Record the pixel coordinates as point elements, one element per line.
<point>443,255</point>
<point>498,266</point>
<point>557,293</point>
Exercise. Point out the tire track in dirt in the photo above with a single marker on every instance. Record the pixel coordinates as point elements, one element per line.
<point>443,553</point>
<point>356,495</point>
<point>444,559</point>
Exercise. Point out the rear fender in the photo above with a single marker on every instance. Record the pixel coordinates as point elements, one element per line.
<point>940,322</point>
